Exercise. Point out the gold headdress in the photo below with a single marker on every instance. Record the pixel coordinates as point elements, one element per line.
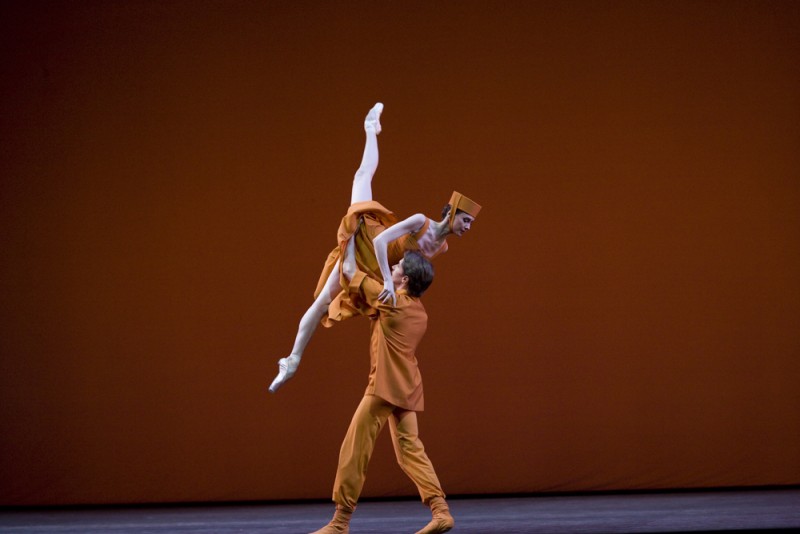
<point>460,202</point>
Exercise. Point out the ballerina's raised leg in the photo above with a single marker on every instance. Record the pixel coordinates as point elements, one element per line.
<point>361,191</point>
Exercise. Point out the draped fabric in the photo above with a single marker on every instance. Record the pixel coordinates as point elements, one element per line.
<point>365,220</point>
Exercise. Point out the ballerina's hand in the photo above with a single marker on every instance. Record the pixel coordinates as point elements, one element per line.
<point>387,295</point>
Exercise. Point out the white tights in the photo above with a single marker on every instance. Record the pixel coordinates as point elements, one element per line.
<point>362,191</point>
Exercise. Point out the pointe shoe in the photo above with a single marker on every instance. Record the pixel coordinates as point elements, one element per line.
<point>340,524</point>
<point>442,520</point>
<point>287,367</point>
<point>373,121</point>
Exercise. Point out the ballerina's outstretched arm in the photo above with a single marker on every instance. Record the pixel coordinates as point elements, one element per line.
<point>381,244</point>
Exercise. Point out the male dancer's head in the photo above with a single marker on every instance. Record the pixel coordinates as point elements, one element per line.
<point>414,273</point>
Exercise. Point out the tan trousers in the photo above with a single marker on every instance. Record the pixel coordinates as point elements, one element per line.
<point>371,414</point>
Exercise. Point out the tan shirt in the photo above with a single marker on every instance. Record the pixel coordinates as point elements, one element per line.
<point>396,331</point>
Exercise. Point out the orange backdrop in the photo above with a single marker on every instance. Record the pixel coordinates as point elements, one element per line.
<point>623,315</point>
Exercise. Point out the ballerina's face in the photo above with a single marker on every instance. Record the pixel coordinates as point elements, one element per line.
<point>462,223</point>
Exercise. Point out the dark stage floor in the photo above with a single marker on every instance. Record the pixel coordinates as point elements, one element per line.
<point>655,512</point>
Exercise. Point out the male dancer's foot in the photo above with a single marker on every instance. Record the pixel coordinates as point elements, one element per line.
<point>442,521</point>
<point>286,370</point>
<point>373,121</point>
<point>340,524</point>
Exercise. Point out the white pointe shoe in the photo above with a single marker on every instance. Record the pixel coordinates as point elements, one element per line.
<point>287,367</point>
<point>373,121</point>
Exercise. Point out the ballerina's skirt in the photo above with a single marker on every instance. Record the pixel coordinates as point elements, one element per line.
<point>364,220</point>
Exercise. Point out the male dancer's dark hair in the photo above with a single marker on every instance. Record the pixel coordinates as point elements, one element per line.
<point>419,271</point>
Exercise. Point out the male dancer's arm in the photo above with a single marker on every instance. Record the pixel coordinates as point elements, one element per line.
<point>381,245</point>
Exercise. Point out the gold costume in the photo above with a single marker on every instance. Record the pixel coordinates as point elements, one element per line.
<point>394,394</point>
<point>365,220</point>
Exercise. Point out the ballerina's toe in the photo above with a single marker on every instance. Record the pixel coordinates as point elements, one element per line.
<point>373,121</point>
<point>287,367</point>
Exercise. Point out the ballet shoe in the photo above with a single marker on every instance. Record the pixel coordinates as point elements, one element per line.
<point>442,521</point>
<point>287,367</point>
<point>373,121</point>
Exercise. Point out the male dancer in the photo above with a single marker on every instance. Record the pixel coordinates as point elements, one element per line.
<point>394,392</point>
<point>380,242</point>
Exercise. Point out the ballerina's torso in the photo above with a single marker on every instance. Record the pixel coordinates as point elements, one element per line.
<point>429,245</point>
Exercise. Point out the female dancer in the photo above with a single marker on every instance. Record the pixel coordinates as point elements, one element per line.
<point>380,241</point>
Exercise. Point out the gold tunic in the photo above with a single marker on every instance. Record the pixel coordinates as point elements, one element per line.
<point>394,375</point>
